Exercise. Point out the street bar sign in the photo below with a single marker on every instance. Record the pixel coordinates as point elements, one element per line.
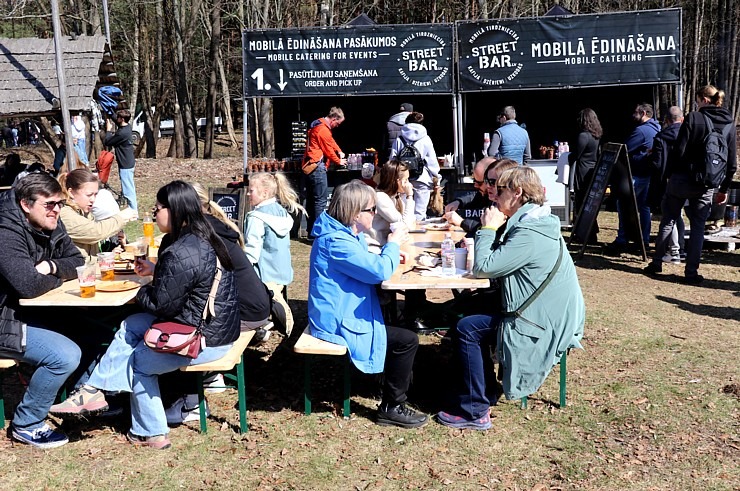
<point>570,51</point>
<point>392,59</point>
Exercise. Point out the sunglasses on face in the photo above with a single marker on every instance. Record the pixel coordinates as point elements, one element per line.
<point>490,182</point>
<point>501,189</point>
<point>477,182</point>
<point>50,205</point>
<point>156,210</point>
<point>370,210</point>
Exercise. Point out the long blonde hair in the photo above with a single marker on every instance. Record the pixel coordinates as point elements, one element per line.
<point>212,208</point>
<point>277,186</point>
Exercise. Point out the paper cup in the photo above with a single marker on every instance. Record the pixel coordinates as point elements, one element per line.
<point>461,257</point>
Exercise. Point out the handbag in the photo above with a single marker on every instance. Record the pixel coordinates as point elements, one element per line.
<point>181,339</point>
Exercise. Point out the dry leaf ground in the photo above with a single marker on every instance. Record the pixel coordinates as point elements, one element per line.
<point>652,402</point>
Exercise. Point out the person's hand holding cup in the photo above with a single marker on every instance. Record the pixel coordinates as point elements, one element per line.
<point>399,233</point>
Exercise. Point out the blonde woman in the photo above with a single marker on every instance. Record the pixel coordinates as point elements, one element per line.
<point>268,233</point>
<point>81,188</point>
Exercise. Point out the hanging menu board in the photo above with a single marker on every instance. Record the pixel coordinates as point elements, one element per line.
<point>570,51</point>
<point>393,59</point>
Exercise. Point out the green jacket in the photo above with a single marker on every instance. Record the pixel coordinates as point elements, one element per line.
<point>528,347</point>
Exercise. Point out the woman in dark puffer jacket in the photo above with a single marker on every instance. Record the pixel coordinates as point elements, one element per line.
<point>183,277</point>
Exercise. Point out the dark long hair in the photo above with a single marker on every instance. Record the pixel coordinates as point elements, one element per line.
<point>186,215</point>
<point>589,121</point>
<point>389,175</point>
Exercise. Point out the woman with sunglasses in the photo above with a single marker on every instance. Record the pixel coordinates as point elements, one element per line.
<point>529,249</point>
<point>183,278</point>
<point>343,306</point>
<point>81,189</point>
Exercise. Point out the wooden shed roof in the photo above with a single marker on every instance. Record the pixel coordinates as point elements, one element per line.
<point>28,78</point>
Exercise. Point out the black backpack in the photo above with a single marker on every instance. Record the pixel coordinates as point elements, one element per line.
<point>712,170</point>
<point>410,156</point>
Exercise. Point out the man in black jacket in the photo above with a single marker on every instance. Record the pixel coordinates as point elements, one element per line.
<point>37,256</point>
<point>122,142</point>
<point>465,212</point>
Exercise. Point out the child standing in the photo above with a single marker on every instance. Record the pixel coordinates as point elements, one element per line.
<point>267,233</point>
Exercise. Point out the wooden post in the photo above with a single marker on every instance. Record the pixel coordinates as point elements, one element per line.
<point>58,53</point>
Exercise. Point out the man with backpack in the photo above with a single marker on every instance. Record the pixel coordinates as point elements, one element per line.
<point>395,124</point>
<point>414,147</point>
<point>122,143</point>
<point>705,158</point>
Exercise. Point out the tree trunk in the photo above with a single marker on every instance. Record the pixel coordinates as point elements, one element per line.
<point>212,81</point>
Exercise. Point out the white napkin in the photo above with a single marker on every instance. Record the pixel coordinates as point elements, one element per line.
<point>437,273</point>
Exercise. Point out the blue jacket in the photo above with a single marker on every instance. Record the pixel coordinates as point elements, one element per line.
<point>343,306</point>
<point>267,242</point>
<point>514,141</point>
<point>529,346</point>
<point>639,145</point>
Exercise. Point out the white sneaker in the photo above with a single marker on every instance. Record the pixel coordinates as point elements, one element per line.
<point>178,414</point>
<point>214,384</point>
<point>669,258</point>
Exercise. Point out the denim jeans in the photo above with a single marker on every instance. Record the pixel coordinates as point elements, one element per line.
<point>681,187</point>
<point>130,366</point>
<point>55,357</point>
<point>422,191</point>
<point>81,149</point>
<point>128,189</point>
<point>642,186</point>
<point>475,335</point>
<point>317,189</point>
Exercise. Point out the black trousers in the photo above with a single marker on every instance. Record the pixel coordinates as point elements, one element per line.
<point>399,363</point>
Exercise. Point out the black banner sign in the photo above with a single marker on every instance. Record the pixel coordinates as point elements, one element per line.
<point>570,51</point>
<point>348,60</point>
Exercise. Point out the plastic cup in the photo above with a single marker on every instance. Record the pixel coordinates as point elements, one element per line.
<point>106,264</point>
<point>461,257</point>
<point>86,277</point>
<point>141,248</point>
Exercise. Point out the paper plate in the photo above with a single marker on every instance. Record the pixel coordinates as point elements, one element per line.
<point>116,285</point>
<point>437,226</point>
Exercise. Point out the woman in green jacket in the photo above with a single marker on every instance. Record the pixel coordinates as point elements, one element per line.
<point>530,344</point>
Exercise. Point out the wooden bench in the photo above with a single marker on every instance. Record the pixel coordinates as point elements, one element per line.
<point>563,372</point>
<point>313,347</point>
<point>233,358</point>
<point>4,363</point>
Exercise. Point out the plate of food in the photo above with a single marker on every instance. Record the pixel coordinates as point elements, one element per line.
<point>434,221</point>
<point>123,267</point>
<point>437,226</point>
<point>116,285</point>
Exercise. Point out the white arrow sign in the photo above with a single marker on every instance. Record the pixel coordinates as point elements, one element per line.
<point>282,84</point>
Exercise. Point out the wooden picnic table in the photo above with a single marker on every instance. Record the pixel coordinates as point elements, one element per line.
<point>407,278</point>
<point>68,295</point>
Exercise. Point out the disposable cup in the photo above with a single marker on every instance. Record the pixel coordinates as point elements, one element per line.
<point>461,257</point>
<point>106,265</point>
<point>86,278</point>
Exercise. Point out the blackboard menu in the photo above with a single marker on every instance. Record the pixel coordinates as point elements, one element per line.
<point>233,201</point>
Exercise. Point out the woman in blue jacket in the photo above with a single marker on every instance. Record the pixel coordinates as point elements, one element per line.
<point>343,306</point>
<point>530,344</point>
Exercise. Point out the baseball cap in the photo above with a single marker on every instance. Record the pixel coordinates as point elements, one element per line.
<point>407,107</point>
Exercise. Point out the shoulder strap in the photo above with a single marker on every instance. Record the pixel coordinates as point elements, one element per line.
<point>210,304</point>
<point>518,312</point>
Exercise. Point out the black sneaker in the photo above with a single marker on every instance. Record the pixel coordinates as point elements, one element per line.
<point>653,269</point>
<point>41,437</point>
<point>693,280</point>
<point>400,415</point>
<point>614,249</point>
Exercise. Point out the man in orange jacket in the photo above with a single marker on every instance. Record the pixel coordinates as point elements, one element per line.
<point>320,150</point>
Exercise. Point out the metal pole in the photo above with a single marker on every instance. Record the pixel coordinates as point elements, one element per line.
<point>58,53</point>
<point>106,19</point>
<point>245,111</point>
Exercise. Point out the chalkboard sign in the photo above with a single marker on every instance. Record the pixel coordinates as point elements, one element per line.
<point>612,167</point>
<point>233,201</point>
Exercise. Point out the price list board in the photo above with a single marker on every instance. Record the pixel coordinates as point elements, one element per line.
<point>392,59</point>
